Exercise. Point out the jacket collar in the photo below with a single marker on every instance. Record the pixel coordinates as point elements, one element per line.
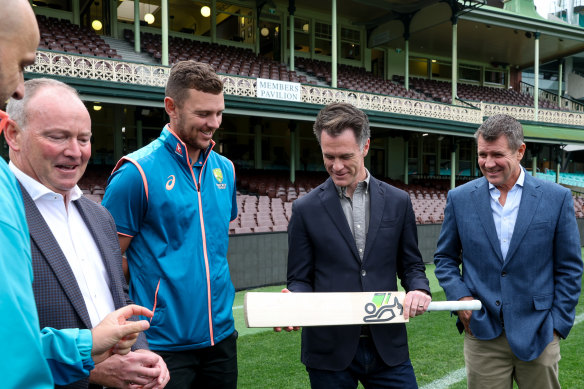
<point>179,148</point>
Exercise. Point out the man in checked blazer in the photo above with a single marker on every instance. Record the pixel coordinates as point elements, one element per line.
<point>517,240</point>
<point>77,262</point>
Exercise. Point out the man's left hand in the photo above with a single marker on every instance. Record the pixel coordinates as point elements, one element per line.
<point>416,303</point>
<point>138,369</point>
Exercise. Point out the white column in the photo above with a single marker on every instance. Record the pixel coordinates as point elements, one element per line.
<point>213,21</point>
<point>534,166</point>
<point>560,71</point>
<point>536,75</point>
<point>454,59</point>
<point>407,65</point>
<point>334,40</point>
<point>292,43</point>
<point>137,26</point>
<point>453,169</point>
<point>164,16</point>
<point>406,162</point>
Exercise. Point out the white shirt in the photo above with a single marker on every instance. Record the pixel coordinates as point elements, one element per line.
<point>506,216</point>
<point>76,242</point>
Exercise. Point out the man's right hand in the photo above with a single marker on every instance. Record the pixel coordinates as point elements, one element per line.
<point>464,316</point>
<point>287,329</point>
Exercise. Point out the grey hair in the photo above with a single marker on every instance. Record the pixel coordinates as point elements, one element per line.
<point>337,117</point>
<point>18,109</point>
<point>498,125</point>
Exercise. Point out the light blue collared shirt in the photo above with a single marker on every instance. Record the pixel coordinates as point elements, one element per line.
<point>506,216</point>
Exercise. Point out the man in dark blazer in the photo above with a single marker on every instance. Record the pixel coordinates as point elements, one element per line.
<point>77,264</point>
<point>518,242</point>
<point>354,233</point>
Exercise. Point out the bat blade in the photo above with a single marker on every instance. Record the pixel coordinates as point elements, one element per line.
<point>327,309</point>
<point>322,309</point>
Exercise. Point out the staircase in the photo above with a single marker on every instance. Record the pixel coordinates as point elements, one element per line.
<point>126,50</point>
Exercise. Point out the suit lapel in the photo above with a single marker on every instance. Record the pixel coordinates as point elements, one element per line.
<point>93,222</point>
<point>330,201</point>
<point>42,236</point>
<point>530,199</point>
<point>482,200</point>
<point>375,202</point>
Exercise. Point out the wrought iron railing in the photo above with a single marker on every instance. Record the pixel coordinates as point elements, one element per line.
<point>103,69</point>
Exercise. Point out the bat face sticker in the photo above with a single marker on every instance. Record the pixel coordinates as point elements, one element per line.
<point>381,309</point>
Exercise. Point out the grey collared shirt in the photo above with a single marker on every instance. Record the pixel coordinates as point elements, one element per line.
<point>357,211</point>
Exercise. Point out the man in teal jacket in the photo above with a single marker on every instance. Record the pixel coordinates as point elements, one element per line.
<point>172,202</point>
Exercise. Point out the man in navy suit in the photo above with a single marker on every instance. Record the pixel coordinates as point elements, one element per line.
<point>519,246</point>
<point>76,258</point>
<point>354,233</point>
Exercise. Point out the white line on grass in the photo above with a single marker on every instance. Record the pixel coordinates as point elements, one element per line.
<point>237,307</point>
<point>460,374</point>
<point>446,381</point>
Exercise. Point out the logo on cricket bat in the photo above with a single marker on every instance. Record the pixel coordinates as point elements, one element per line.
<point>381,310</point>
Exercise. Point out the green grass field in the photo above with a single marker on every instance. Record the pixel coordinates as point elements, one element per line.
<point>272,360</point>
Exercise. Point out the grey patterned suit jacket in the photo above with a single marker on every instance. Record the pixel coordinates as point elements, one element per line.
<point>58,297</point>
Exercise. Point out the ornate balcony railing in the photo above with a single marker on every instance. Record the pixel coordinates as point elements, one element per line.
<point>102,69</point>
<point>95,68</point>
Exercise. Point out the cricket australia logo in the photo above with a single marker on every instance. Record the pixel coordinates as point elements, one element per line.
<point>219,177</point>
<point>380,309</point>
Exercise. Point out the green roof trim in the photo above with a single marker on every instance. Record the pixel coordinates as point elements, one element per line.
<point>553,134</point>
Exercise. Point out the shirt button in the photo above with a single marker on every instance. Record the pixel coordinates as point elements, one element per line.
<point>497,303</point>
<point>358,225</point>
<point>503,274</point>
<point>363,272</point>
<point>360,250</point>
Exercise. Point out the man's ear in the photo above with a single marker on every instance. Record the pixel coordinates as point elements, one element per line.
<point>13,136</point>
<point>170,107</point>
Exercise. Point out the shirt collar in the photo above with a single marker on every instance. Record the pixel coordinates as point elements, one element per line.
<point>342,190</point>
<point>36,190</point>
<point>519,181</point>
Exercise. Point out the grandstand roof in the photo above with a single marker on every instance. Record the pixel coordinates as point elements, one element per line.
<point>485,34</point>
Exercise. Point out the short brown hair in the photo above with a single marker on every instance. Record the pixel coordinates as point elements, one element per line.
<point>337,117</point>
<point>501,124</point>
<point>185,75</point>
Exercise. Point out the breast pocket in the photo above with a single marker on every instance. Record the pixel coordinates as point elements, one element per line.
<point>539,226</point>
<point>388,223</point>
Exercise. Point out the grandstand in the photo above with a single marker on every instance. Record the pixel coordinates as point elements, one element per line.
<point>427,73</point>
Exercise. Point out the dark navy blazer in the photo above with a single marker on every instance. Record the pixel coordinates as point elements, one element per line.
<point>535,289</point>
<point>58,298</point>
<point>323,257</point>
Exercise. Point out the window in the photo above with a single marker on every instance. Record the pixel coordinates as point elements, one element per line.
<point>418,67</point>
<point>234,23</point>
<point>350,44</point>
<point>322,38</point>
<point>301,35</point>
<point>493,76</point>
<point>469,73</point>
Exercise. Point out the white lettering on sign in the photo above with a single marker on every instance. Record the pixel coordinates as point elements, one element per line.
<point>278,90</point>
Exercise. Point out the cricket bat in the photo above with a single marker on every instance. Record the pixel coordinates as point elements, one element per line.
<point>327,309</point>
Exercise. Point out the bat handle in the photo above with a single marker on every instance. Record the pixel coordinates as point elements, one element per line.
<point>471,305</point>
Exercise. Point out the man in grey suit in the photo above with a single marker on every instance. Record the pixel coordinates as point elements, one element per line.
<point>77,262</point>
<point>518,242</point>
